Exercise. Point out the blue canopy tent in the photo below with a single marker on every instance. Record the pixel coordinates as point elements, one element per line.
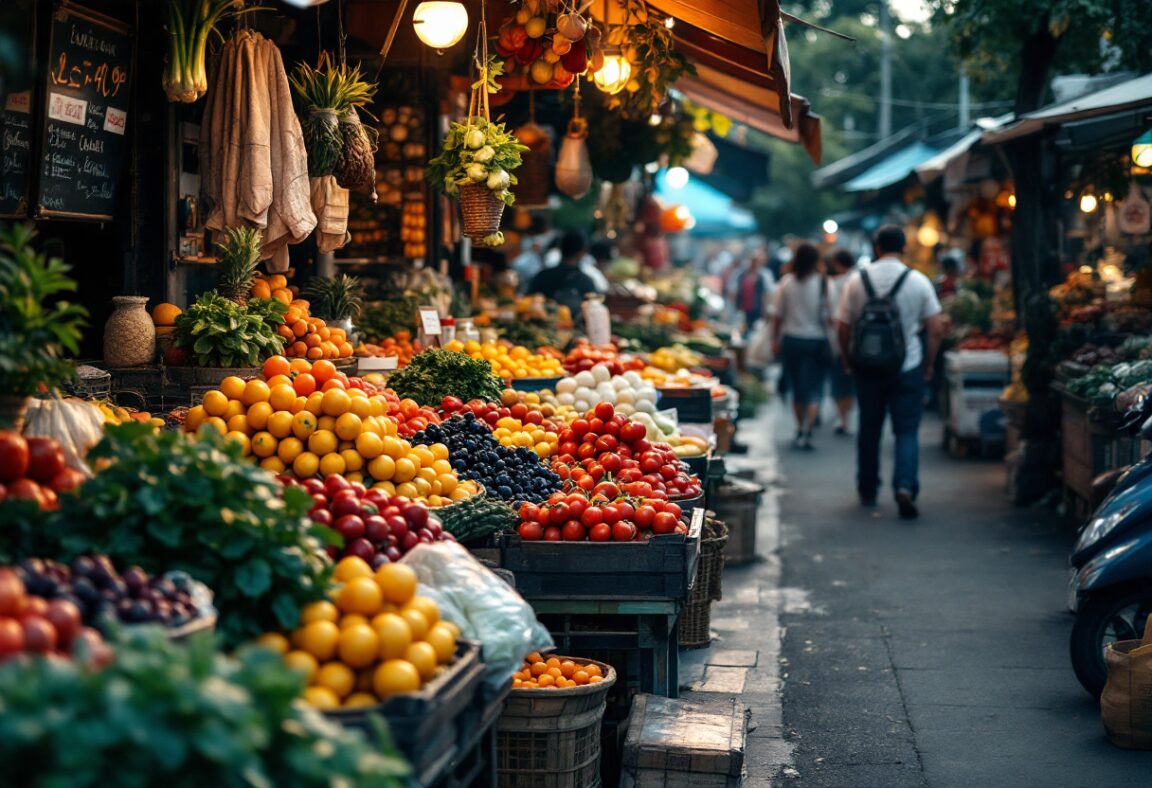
<point>715,213</point>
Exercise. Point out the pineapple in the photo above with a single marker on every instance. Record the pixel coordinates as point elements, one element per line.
<point>336,299</point>
<point>239,255</point>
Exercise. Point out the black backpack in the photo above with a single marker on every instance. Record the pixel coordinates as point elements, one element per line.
<point>878,344</point>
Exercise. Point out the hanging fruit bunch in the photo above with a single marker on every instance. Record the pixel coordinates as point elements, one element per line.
<point>326,100</point>
<point>549,43</point>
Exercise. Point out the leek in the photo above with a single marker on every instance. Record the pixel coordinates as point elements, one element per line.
<point>190,23</point>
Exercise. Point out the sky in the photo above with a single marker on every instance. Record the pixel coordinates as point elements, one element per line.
<point>909,10</point>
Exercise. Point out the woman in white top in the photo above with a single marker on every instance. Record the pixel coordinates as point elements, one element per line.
<point>800,320</point>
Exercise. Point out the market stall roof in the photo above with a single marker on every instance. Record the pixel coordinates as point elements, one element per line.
<point>714,212</point>
<point>892,169</point>
<point>1133,94</point>
<point>847,168</point>
<point>934,168</point>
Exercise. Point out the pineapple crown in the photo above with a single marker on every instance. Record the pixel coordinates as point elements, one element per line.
<point>239,256</point>
<point>337,298</point>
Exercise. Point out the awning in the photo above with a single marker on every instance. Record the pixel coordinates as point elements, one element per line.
<point>936,166</point>
<point>714,212</point>
<point>892,169</point>
<point>1133,94</point>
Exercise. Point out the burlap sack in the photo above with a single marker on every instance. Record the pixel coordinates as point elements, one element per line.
<point>1126,703</point>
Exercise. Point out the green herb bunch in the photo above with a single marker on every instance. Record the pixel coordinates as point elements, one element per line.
<point>166,502</point>
<point>477,152</point>
<point>656,65</point>
<point>382,319</point>
<point>34,336</point>
<point>221,333</point>
<point>179,715</point>
<point>435,374</point>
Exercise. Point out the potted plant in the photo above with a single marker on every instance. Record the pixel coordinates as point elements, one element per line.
<point>34,335</point>
<point>239,256</point>
<point>326,100</point>
<point>476,162</point>
<point>337,300</point>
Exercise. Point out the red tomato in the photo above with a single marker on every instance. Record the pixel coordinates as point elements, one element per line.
<point>664,523</point>
<point>673,509</point>
<point>579,428</point>
<point>623,531</point>
<point>577,507</point>
<point>552,534</point>
<point>518,411</point>
<point>586,450</point>
<point>611,514</point>
<point>592,516</point>
<point>612,463</point>
<point>586,482</point>
<point>645,516</point>
<point>608,489</point>
<point>558,514</point>
<point>611,428</point>
<point>25,490</point>
<point>568,447</point>
<point>606,443</point>
<point>13,456</point>
<point>600,533</point>
<point>632,432</point>
<point>650,463</point>
<point>39,635</point>
<point>534,417</point>
<point>596,426</point>
<point>451,404</point>
<point>573,531</point>
<point>543,518</point>
<point>529,532</point>
<point>627,510</point>
<point>45,459</point>
<point>528,511</point>
<point>605,411</point>
<point>11,637</point>
<point>13,598</point>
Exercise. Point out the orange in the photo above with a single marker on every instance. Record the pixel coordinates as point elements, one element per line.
<point>299,404</point>
<point>360,595</point>
<point>312,404</point>
<point>538,668</point>
<point>326,423</point>
<point>353,462</point>
<point>423,656</point>
<point>277,282</point>
<point>580,677</point>
<point>337,677</point>
<point>274,641</point>
<point>279,380</point>
<point>394,677</point>
<point>276,365</point>
<point>255,391</point>
<point>322,442</point>
<point>407,490</point>
<point>351,620</point>
<point>213,423</point>
<point>394,447</point>
<point>394,633</point>
<point>455,630</point>
<point>215,403</point>
<point>304,384</point>
<point>593,670</point>
<point>350,567</point>
<point>288,449</point>
<point>382,468</point>
<point>273,464</point>
<point>303,425</point>
<point>323,371</point>
<point>360,700</point>
<point>302,662</point>
<point>439,451</point>
<point>354,476</point>
<point>369,445</point>
<point>318,638</point>
<point>240,439</point>
<point>258,415</point>
<point>196,416</point>
<point>235,408</point>
<point>232,387</point>
<point>321,698</point>
<point>333,464</point>
<point>282,396</point>
<point>300,366</point>
<point>427,606</point>
<point>299,327</point>
<point>165,314</point>
<point>416,621</point>
<point>546,681</point>
<point>361,405</point>
<point>348,426</point>
<point>280,424</point>
<point>336,402</point>
<point>405,470</point>
<point>319,611</point>
<point>305,465</point>
<point>443,641</point>
<point>238,423</point>
<point>397,584</point>
<point>359,646</point>
<point>552,662</point>
<point>567,668</point>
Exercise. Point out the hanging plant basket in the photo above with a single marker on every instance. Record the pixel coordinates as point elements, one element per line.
<point>480,212</point>
<point>535,174</point>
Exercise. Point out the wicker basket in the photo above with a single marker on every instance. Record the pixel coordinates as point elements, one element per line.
<point>696,620</point>
<point>480,211</point>
<point>550,738</point>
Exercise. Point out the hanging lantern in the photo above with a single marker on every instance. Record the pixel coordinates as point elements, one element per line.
<point>440,24</point>
<point>573,166</point>
<point>614,75</point>
<point>1142,150</point>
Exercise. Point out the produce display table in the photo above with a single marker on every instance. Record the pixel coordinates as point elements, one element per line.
<point>1089,446</point>
<point>972,417</point>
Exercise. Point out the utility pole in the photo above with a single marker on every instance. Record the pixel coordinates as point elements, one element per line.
<point>885,125</point>
<point>965,103</point>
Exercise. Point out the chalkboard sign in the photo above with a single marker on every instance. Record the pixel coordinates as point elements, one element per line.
<point>15,152</point>
<point>85,115</point>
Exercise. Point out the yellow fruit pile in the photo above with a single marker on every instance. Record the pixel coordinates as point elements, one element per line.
<point>512,432</point>
<point>375,639</point>
<point>674,358</point>
<point>511,361</point>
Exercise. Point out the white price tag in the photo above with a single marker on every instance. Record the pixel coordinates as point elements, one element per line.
<point>377,364</point>
<point>67,109</point>
<point>697,523</point>
<point>430,321</point>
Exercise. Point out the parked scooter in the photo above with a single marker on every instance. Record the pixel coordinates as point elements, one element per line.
<point>1110,590</point>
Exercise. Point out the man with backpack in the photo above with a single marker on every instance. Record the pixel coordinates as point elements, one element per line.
<point>883,310</point>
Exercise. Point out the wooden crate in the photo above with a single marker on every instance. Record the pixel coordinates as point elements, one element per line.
<point>684,743</point>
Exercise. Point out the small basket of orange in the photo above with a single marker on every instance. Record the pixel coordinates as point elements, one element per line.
<point>549,732</point>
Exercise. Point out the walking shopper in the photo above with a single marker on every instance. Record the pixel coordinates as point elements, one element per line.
<point>753,290</point>
<point>882,312</point>
<point>840,265</point>
<point>800,321</point>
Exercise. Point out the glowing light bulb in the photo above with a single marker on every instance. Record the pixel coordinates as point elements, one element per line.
<point>831,226</point>
<point>440,24</point>
<point>1087,203</point>
<point>613,76</point>
<point>676,178</point>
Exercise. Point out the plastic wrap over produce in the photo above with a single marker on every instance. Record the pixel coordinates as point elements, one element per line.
<point>485,608</point>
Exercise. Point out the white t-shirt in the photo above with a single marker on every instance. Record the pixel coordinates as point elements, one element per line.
<point>802,306</point>
<point>916,301</point>
<point>835,290</point>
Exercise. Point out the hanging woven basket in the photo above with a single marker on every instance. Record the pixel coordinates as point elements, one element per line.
<point>480,211</point>
<point>535,173</point>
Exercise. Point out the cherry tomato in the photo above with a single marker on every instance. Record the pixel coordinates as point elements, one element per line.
<point>612,463</point>
<point>573,531</point>
<point>623,531</point>
<point>606,443</point>
<point>586,450</point>
<point>600,533</point>
<point>595,427</point>
<point>605,411</point>
<point>579,428</point>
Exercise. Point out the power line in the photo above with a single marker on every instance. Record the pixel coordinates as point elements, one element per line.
<point>918,104</point>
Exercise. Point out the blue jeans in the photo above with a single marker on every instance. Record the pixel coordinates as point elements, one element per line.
<point>901,396</point>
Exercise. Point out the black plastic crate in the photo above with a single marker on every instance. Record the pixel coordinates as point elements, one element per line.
<point>661,568</point>
<point>424,724</point>
<point>693,405</point>
<point>698,466</point>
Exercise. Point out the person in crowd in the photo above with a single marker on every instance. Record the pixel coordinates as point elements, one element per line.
<point>529,262</point>
<point>754,288</point>
<point>596,262</point>
<point>801,318</point>
<point>566,282</point>
<point>901,391</point>
<point>949,278</point>
<point>840,264</point>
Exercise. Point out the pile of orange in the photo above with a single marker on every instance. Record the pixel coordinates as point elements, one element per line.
<point>377,638</point>
<point>401,346</point>
<point>305,336</point>
<point>274,286</point>
<point>555,673</point>
<point>306,418</point>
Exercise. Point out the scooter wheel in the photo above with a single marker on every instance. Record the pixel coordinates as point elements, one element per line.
<point>1102,619</point>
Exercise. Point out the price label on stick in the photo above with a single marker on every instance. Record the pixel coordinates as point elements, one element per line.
<point>430,320</point>
<point>697,522</point>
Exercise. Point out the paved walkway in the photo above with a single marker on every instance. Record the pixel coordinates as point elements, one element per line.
<point>931,653</point>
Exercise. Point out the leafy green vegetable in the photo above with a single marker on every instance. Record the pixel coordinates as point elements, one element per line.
<point>477,517</point>
<point>382,319</point>
<point>435,374</point>
<point>221,333</point>
<point>167,502</point>
<point>33,334</point>
<point>178,715</point>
